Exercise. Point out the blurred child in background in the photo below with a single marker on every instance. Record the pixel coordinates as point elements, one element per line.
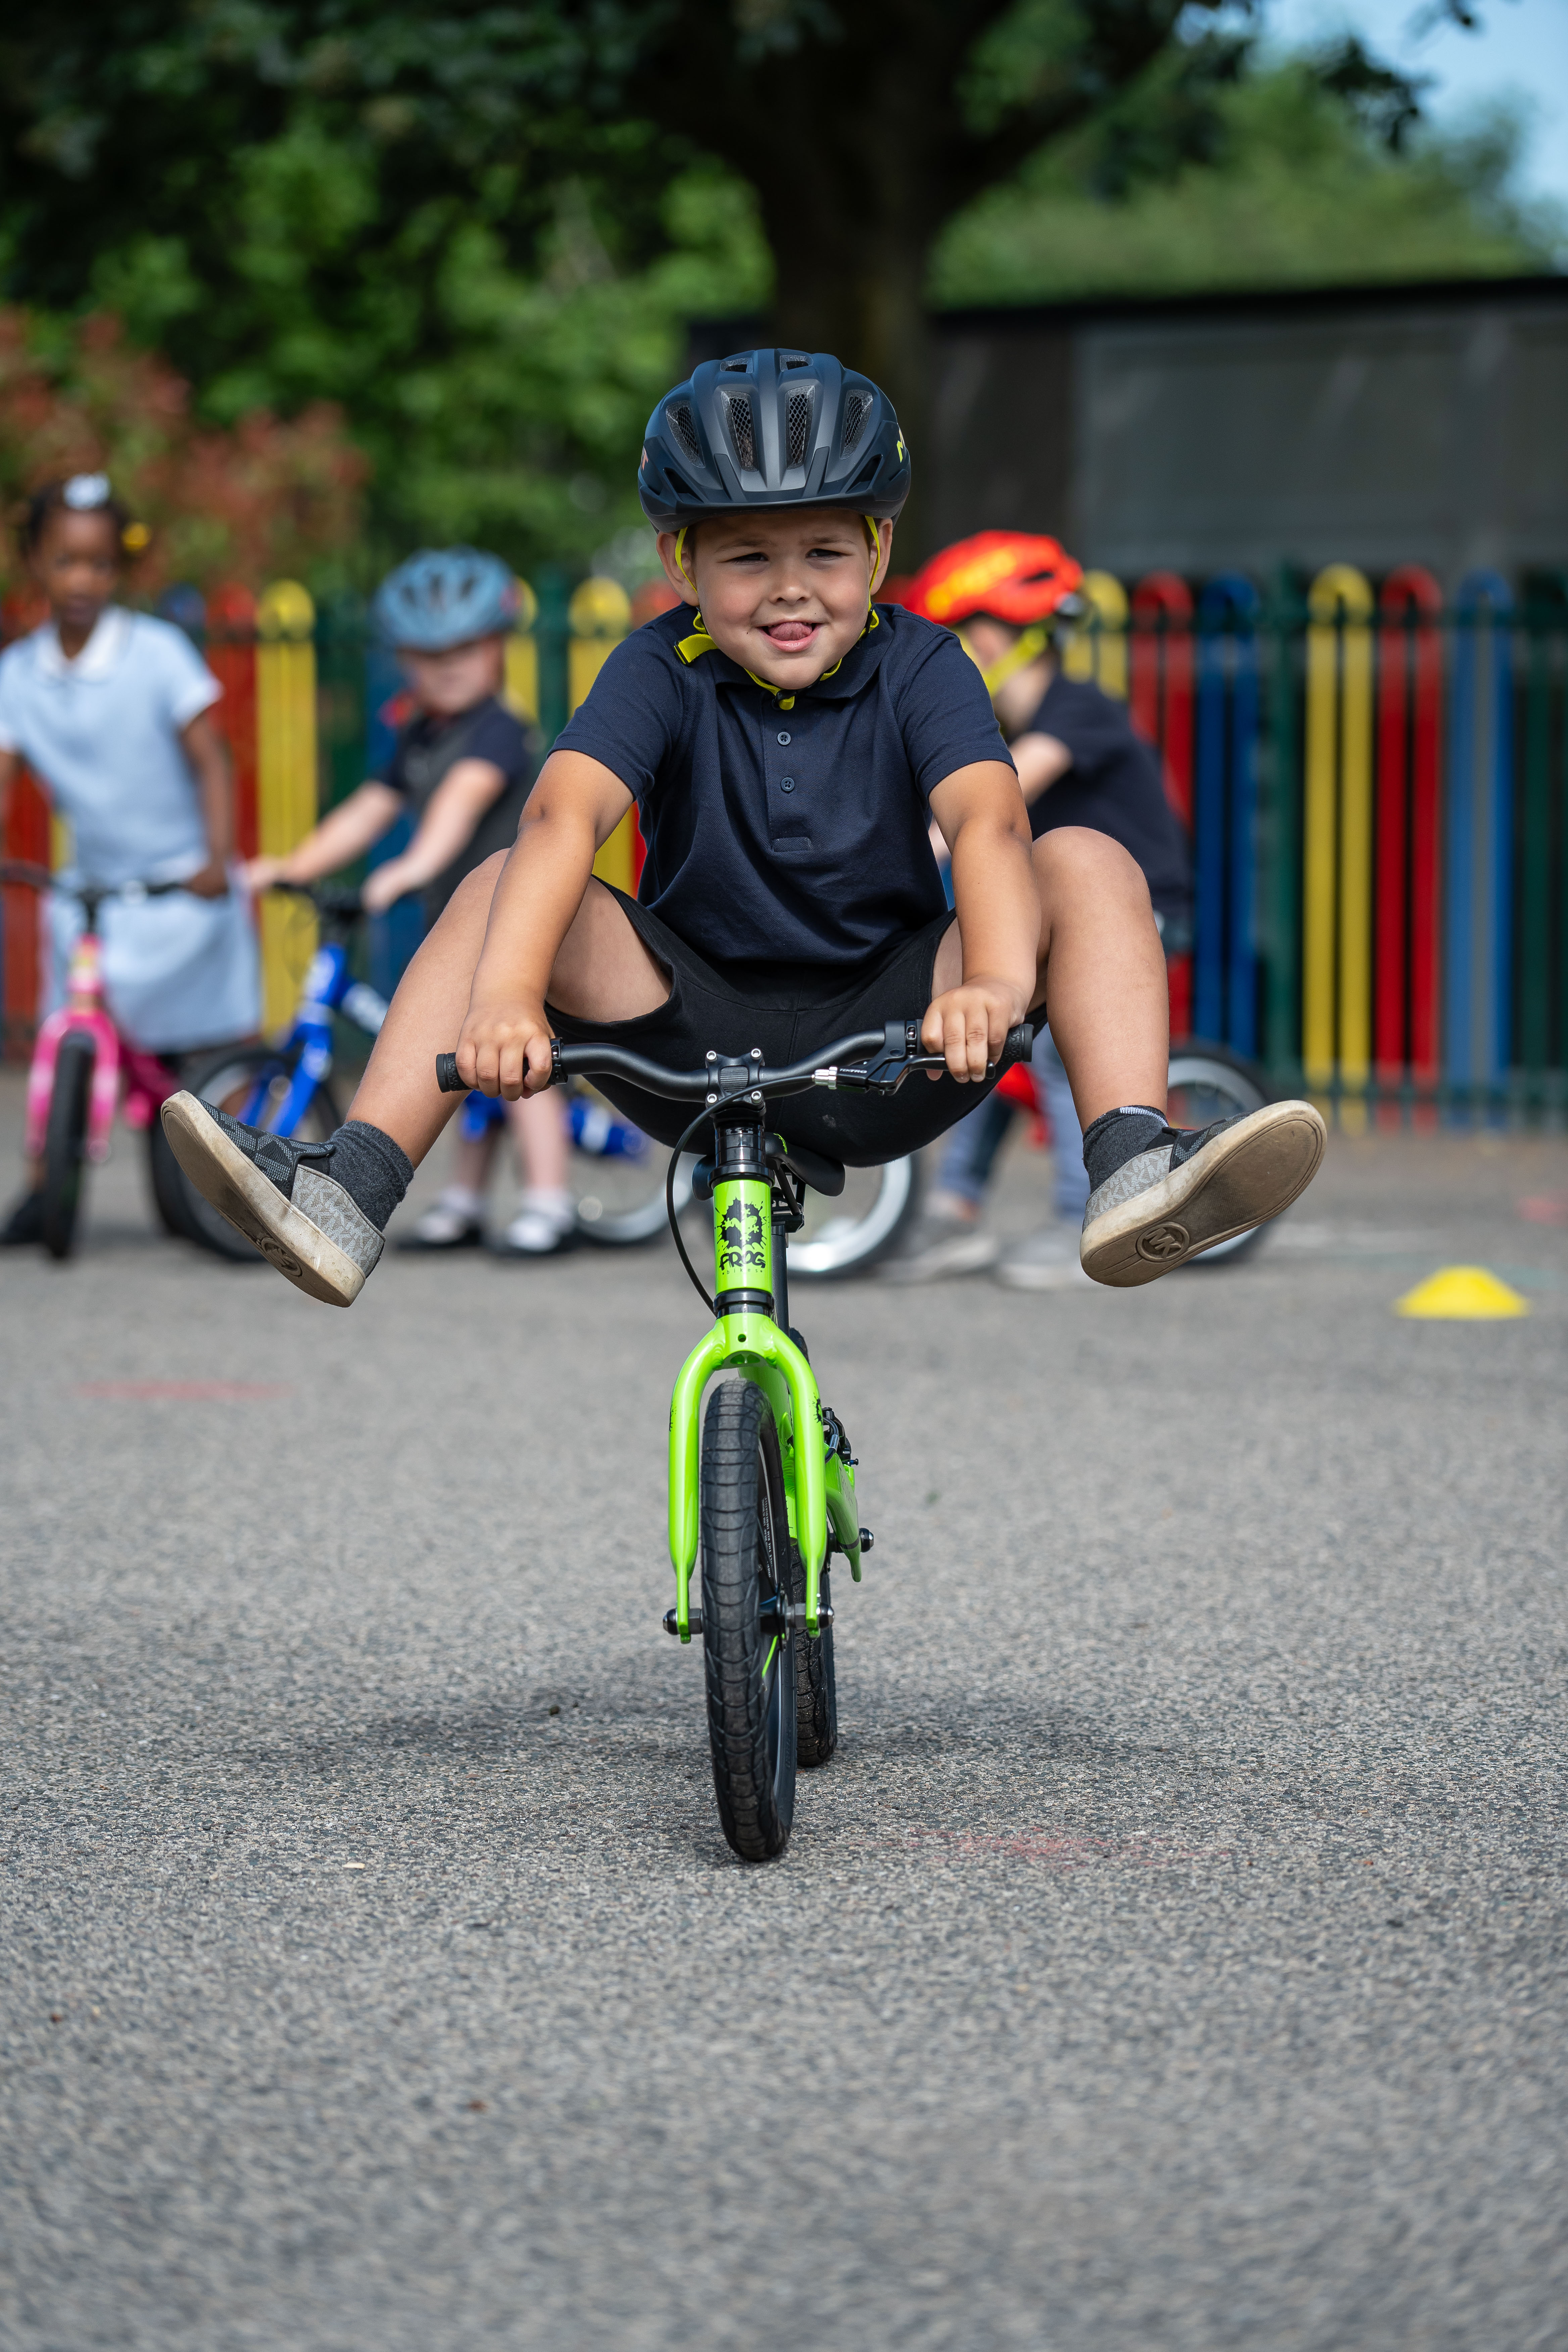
<point>111,710</point>
<point>460,769</point>
<point>1078,763</point>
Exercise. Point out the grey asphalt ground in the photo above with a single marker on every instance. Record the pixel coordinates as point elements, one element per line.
<point>1172,1957</point>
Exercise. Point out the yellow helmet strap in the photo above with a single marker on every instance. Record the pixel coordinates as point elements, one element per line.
<point>1029,644</point>
<point>878,566</point>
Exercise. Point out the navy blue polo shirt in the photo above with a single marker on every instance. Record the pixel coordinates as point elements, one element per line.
<point>782,830</point>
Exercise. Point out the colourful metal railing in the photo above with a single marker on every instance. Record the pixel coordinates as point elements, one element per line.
<point>1377,787</point>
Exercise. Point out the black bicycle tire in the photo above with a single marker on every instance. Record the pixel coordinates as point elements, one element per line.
<point>206,1225</point>
<point>64,1140</point>
<point>815,1683</point>
<point>1250,1091</point>
<point>751,1724</point>
<point>167,1182</point>
<point>846,1259</point>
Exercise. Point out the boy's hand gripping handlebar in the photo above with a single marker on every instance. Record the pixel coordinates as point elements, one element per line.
<point>873,1061</point>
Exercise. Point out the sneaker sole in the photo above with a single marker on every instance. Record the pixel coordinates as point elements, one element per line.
<point>1240,1180</point>
<point>254,1206</point>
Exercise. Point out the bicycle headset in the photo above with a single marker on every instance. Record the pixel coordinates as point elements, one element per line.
<point>444,597</point>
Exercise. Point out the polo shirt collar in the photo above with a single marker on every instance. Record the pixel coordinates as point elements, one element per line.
<point>849,675</point>
<point>97,658</point>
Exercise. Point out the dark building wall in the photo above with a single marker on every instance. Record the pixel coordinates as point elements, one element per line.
<point>1372,427</point>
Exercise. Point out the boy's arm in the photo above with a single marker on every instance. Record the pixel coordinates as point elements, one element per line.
<point>570,814</point>
<point>209,754</point>
<point>984,822</point>
<point>450,821</point>
<point>344,834</point>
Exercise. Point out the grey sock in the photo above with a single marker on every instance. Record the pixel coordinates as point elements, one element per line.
<point>1118,1136</point>
<point>374,1172</point>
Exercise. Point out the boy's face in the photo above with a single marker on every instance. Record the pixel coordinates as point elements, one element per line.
<point>447,683</point>
<point>783,592</point>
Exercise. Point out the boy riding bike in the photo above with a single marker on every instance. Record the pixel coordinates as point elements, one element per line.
<point>786,741</point>
<point>462,768</point>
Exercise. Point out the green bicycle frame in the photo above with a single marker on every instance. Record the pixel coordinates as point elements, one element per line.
<point>819,1484</point>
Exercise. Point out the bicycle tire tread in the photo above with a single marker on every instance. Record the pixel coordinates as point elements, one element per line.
<point>738,1445</point>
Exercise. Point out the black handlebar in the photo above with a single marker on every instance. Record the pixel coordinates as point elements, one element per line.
<point>92,893</point>
<point>894,1052</point>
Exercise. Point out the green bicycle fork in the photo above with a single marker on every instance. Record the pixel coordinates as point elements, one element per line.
<point>747,1337</point>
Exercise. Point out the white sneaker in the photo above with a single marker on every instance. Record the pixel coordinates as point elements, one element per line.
<point>1048,1260</point>
<point>544,1225</point>
<point>454,1220</point>
<point>938,1246</point>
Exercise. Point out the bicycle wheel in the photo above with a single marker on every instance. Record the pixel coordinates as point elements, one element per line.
<point>815,1690</point>
<point>167,1182</point>
<point>64,1140</point>
<point>748,1651</point>
<point>1208,1082</point>
<point>855,1232</point>
<point>249,1082</point>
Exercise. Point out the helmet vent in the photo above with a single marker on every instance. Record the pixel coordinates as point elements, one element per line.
<point>742,431</point>
<point>797,429</point>
<point>685,431</point>
<point>795,358</point>
<point>857,408</point>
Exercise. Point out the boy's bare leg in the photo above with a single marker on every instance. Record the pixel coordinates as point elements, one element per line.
<point>603,973</point>
<point>1101,967</point>
<point>1159,1197</point>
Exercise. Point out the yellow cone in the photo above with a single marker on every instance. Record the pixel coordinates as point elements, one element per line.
<point>1462,1293</point>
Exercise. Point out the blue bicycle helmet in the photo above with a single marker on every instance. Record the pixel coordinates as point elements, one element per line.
<point>772,428</point>
<point>443,597</point>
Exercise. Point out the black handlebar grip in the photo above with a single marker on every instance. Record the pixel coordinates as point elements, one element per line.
<point>1020,1043</point>
<point>446,1076</point>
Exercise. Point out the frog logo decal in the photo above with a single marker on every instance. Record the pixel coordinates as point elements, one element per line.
<point>741,1241</point>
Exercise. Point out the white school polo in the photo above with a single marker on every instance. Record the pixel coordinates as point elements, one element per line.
<point>101,733</point>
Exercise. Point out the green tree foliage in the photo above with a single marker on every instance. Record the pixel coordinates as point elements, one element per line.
<point>482,227</point>
<point>479,226</point>
<point>1314,173</point>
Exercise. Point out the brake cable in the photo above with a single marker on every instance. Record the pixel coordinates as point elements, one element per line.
<point>703,1116</point>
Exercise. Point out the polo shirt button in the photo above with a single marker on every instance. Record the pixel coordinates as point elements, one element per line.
<point>783,739</point>
<point>787,784</point>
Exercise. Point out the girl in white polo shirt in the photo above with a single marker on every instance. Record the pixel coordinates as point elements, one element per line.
<point>109,709</point>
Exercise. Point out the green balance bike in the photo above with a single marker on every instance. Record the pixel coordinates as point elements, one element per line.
<point>769,1501</point>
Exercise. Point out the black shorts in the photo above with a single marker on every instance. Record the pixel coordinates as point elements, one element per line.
<point>789,1013</point>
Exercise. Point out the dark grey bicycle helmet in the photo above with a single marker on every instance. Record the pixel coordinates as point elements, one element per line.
<point>444,597</point>
<point>772,428</point>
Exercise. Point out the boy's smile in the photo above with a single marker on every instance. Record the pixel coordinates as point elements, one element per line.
<point>783,591</point>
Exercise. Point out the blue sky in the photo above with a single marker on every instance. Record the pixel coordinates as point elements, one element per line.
<point>1520,53</point>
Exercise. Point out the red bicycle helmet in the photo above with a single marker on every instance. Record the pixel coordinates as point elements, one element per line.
<point>1012,575</point>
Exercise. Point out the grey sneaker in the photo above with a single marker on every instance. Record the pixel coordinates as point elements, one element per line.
<point>939,1246</point>
<point>1199,1187</point>
<point>314,1232</point>
<point>1046,1260</point>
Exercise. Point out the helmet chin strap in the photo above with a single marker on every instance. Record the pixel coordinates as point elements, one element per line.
<point>1029,644</point>
<point>878,566</point>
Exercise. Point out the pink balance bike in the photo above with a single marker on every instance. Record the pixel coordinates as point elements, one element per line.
<point>74,1082</point>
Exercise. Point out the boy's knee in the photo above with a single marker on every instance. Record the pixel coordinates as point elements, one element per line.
<point>476,890</point>
<point>1073,857</point>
